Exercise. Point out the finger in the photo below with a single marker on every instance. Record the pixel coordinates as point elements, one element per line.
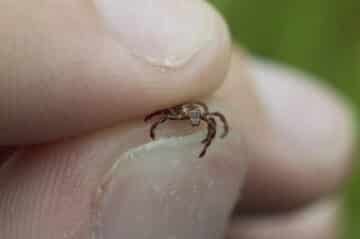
<point>315,222</point>
<point>114,185</point>
<point>76,66</point>
<point>299,141</point>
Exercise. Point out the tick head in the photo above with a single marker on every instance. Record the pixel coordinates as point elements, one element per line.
<point>195,117</point>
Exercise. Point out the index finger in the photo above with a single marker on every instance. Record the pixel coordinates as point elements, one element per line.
<point>73,67</point>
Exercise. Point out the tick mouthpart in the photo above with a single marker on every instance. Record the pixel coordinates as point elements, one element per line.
<point>195,117</point>
<point>195,121</point>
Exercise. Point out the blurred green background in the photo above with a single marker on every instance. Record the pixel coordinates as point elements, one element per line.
<point>318,36</point>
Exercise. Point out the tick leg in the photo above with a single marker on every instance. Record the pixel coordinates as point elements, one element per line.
<point>224,121</point>
<point>211,136</point>
<point>150,116</point>
<point>211,123</point>
<point>208,142</point>
<point>155,125</point>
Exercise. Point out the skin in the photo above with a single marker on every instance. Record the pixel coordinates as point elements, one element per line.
<point>73,94</point>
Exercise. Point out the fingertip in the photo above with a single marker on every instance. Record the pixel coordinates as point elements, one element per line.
<point>96,75</point>
<point>307,152</point>
<point>304,109</point>
<point>117,181</point>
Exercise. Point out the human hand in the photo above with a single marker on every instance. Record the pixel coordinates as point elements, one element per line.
<point>70,69</point>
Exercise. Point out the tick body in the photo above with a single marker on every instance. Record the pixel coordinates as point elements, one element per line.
<point>195,112</point>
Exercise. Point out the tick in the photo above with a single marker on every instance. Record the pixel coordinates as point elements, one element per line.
<point>195,112</point>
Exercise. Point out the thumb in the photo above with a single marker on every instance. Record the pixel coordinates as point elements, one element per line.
<point>75,66</point>
<point>113,184</point>
<point>160,191</point>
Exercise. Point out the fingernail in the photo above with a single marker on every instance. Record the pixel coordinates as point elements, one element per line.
<point>164,33</point>
<point>162,190</point>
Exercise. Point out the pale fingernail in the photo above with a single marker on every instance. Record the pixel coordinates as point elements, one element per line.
<point>165,33</point>
<point>162,190</point>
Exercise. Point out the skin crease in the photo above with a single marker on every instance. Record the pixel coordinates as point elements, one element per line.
<point>87,185</point>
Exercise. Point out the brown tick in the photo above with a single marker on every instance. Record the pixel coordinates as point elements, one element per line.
<point>195,112</point>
